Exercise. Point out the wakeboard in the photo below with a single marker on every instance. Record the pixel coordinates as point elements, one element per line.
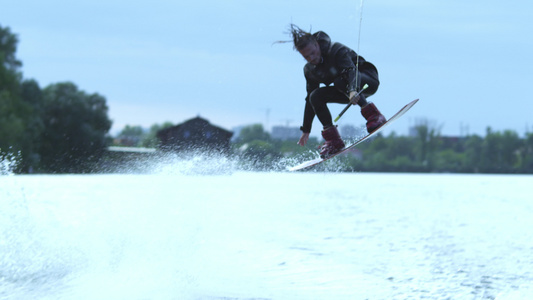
<point>316,161</point>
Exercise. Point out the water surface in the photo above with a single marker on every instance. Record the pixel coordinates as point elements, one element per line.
<point>252,235</point>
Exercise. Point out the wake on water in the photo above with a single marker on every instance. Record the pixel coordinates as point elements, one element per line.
<point>43,248</point>
<point>45,245</point>
<point>213,163</point>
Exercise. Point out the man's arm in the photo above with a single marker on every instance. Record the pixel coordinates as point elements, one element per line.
<point>344,61</point>
<point>309,112</point>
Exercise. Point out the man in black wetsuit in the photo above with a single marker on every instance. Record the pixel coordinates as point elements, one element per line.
<point>333,63</point>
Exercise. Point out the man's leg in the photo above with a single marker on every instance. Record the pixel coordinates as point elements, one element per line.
<point>373,116</point>
<point>319,99</point>
<point>373,83</point>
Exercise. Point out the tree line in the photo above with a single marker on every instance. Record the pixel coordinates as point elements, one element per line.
<point>497,152</point>
<point>55,129</point>
<point>427,151</point>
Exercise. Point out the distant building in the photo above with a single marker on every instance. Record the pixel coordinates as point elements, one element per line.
<point>195,134</point>
<point>285,133</point>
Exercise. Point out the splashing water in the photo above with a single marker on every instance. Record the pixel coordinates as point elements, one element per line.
<point>210,163</point>
<point>8,163</point>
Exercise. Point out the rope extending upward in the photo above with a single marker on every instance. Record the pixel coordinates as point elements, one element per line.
<point>359,43</point>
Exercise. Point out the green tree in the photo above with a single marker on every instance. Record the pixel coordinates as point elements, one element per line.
<point>15,128</point>
<point>448,160</point>
<point>137,136</point>
<point>12,125</point>
<point>500,152</point>
<point>150,139</point>
<point>8,49</point>
<point>387,154</point>
<point>256,148</point>
<point>527,154</point>
<point>131,136</point>
<point>428,138</point>
<point>32,96</point>
<point>473,148</point>
<point>375,153</point>
<point>252,133</point>
<point>260,155</point>
<point>76,124</point>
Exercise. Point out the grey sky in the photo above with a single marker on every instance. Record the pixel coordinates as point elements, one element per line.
<point>154,61</point>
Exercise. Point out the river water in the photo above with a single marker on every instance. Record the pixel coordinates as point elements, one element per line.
<point>266,235</point>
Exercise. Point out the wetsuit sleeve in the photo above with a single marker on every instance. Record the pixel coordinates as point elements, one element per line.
<point>309,112</point>
<point>344,62</point>
<point>309,116</point>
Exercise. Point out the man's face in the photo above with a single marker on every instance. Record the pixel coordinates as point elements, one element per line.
<point>311,53</point>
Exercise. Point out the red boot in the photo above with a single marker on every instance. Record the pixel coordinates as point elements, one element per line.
<point>373,117</point>
<point>333,142</point>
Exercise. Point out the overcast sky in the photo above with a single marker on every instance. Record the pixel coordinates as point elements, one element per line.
<point>469,62</point>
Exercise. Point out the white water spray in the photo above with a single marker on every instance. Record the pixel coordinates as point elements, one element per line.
<point>8,163</point>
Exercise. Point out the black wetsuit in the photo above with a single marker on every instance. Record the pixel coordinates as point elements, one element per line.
<point>337,67</point>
